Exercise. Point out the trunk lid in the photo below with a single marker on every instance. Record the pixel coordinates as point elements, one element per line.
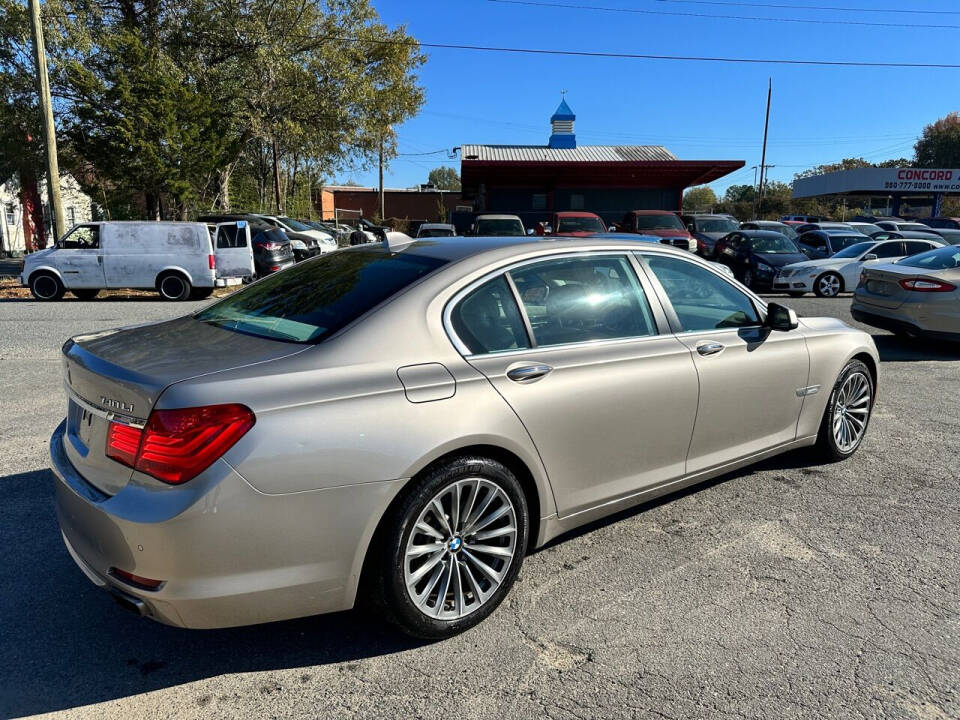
<point>882,286</point>
<point>120,374</point>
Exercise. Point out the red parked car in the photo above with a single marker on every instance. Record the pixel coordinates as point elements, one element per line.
<point>576,223</point>
<point>662,223</point>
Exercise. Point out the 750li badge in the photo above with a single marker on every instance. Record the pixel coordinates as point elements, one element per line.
<point>116,404</point>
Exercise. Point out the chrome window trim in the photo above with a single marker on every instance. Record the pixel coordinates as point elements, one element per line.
<point>99,412</point>
<point>567,346</point>
<point>461,347</point>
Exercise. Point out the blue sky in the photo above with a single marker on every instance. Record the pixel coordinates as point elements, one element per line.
<point>698,110</point>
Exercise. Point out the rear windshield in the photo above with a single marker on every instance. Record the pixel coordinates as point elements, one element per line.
<point>435,232</point>
<point>658,222</point>
<point>294,225</point>
<point>313,300</point>
<point>945,258</point>
<point>715,225</point>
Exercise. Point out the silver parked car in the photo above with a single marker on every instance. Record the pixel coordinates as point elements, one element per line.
<point>478,396</point>
<point>918,295</point>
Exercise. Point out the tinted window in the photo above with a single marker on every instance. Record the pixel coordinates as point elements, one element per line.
<point>701,299</point>
<point>854,251</point>
<point>488,319</point>
<point>812,240</point>
<point>229,237</point>
<point>916,246</point>
<point>889,249</point>
<point>839,242</point>
<point>505,227</point>
<point>311,301</point>
<point>435,232</point>
<point>773,245</point>
<point>715,225</point>
<point>580,224</point>
<point>572,300</point>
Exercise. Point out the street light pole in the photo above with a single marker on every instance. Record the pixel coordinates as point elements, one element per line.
<point>49,129</point>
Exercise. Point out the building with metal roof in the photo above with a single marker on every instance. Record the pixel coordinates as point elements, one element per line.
<point>534,181</point>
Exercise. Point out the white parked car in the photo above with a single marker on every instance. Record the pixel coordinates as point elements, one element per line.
<point>429,230</point>
<point>327,242</point>
<point>831,276</point>
<point>180,260</point>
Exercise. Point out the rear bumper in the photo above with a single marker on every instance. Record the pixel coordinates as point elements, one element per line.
<point>229,555</point>
<point>898,325</point>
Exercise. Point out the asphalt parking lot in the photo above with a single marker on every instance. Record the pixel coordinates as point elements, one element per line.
<point>784,590</point>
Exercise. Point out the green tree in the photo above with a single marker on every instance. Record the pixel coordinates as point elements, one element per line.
<point>700,198</point>
<point>740,194</point>
<point>444,178</point>
<point>939,145</point>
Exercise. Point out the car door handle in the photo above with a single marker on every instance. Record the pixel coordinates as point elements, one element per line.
<point>528,373</point>
<point>710,348</point>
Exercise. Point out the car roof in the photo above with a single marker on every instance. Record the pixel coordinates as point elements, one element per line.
<point>575,213</point>
<point>759,233</point>
<point>651,212</point>
<point>435,226</point>
<point>496,216</point>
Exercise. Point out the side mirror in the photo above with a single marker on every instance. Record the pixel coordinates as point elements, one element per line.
<point>870,256</point>
<point>529,231</point>
<point>781,318</point>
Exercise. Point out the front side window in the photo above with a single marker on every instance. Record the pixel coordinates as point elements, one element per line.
<point>488,319</point>
<point>85,237</point>
<point>313,300</point>
<point>570,300</point>
<point>814,241</point>
<point>839,242</point>
<point>854,251</point>
<point>701,299</point>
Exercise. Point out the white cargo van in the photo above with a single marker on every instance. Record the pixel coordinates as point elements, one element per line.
<point>180,260</point>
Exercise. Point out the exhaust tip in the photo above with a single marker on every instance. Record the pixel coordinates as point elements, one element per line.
<point>128,602</point>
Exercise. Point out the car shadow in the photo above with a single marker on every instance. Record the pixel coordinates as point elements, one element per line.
<point>67,644</point>
<point>892,348</point>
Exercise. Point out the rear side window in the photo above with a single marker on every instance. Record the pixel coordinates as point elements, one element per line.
<point>488,319</point>
<point>310,302</point>
<point>916,246</point>
<point>892,249</point>
<point>701,299</point>
<point>570,300</point>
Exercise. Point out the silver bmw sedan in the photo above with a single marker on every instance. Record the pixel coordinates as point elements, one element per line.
<point>404,423</point>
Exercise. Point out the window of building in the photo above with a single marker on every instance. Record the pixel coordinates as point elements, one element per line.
<point>10,211</point>
<point>71,216</point>
<point>539,201</point>
<point>576,201</point>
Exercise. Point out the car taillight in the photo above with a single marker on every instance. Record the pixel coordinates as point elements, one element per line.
<point>272,246</point>
<point>213,262</point>
<point>177,445</point>
<point>918,285</point>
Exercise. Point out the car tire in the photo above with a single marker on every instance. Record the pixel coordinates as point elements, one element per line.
<point>201,293</point>
<point>828,285</point>
<point>412,562</point>
<point>850,403</point>
<point>86,294</point>
<point>45,286</point>
<point>174,286</point>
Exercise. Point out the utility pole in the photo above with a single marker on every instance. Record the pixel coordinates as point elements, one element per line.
<point>763,157</point>
<point>382,210</point>
<point>276,179</point>
<point>49,129</point>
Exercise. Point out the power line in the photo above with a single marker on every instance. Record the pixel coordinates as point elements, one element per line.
<point>802,21</point>
<point>811,7</point>
<point>639,56</point>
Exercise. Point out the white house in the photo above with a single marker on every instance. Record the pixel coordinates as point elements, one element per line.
<point>77,208</point>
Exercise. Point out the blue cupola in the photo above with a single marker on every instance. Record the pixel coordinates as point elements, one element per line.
<point>561,127</point>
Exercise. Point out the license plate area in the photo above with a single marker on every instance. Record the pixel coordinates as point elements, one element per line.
<point>79,427</point>
<point>878,287</point>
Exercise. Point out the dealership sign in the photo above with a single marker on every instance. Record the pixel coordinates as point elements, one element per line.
<point>917,179</point>
<point>880,181</point>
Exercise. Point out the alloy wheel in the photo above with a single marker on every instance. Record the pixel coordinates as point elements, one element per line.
<point>851,411</point>
<point>829,285</point>
<point>460,549</point>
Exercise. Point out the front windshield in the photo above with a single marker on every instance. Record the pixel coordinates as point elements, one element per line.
<point>294,225</point>
<point>311,301</point>
<point>783,230</point>
<point>773,245</point>
<point>854,251</point>
<point>659,222</point>
<point>499,227</point>
<point>839,242</point>
<point>715,225</point>
<point>945,258</point>
<point>580,224</point>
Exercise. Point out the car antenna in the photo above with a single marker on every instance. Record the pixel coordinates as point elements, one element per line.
<point>396,241</point>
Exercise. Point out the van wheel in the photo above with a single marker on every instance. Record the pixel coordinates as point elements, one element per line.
<point>201,293</point>
<point>87,294</point>
<point>173,286</point>
<point>46,286</point>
